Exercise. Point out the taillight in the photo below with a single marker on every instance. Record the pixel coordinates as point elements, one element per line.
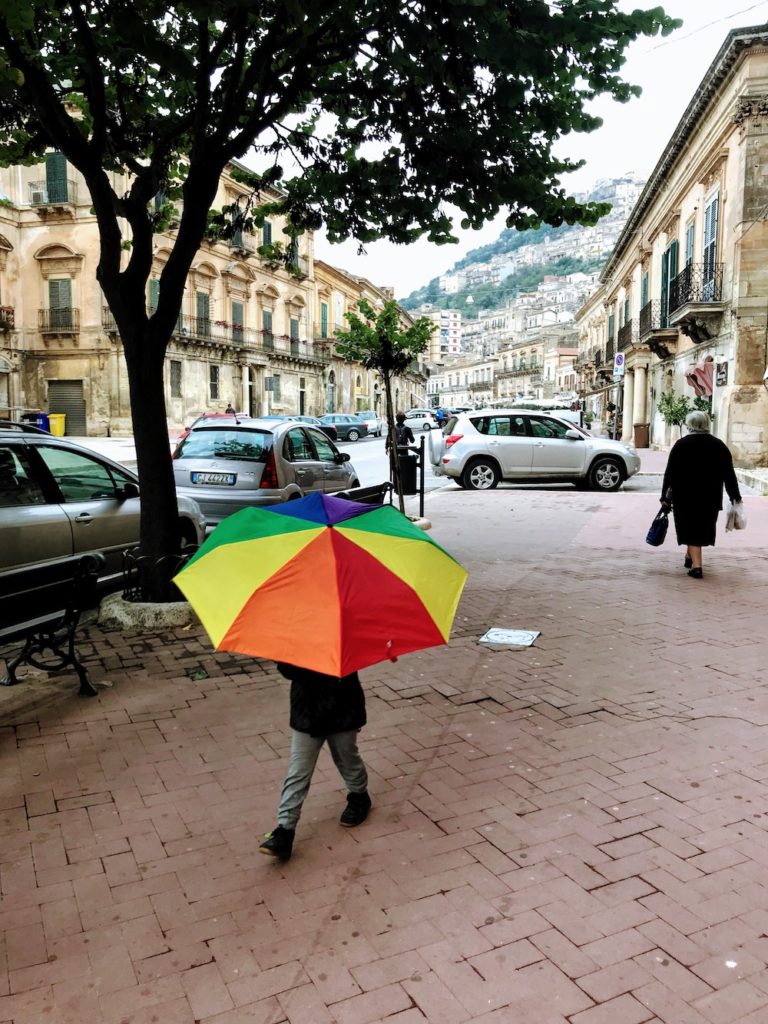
<point>269,476</point>
<point>451,440</point>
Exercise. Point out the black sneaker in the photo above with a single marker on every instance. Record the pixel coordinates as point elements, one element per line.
<point>278,843</point>
<point>356,811</point>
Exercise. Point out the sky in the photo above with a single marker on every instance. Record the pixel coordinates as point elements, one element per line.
<point>631,138</point>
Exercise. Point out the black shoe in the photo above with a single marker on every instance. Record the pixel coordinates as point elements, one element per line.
<point>687,562</point>
<point>278,843</point>
<point>356,811</point>
<point>696,574</point>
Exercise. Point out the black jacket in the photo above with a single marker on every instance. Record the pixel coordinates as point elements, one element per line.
<point>322,705</point>
<point>698,467</point>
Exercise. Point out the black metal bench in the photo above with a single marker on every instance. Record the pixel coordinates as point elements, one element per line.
<point>376,494</point>
<point>49,641</point>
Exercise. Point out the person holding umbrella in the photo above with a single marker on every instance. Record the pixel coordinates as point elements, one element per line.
<point>324,709</point>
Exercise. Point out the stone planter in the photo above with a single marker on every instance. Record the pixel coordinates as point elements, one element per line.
<point>137,616</point>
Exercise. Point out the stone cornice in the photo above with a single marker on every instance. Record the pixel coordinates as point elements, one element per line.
<point>721,68</point>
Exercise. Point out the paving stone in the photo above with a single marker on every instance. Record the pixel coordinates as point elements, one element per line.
<point>569,834</point>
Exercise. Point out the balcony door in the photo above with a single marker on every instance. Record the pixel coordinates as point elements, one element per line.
<point>60,303</point>
<point>711,218</point>
<point>668,274</point>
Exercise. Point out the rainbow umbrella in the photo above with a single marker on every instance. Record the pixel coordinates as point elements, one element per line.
<point>324,583</point>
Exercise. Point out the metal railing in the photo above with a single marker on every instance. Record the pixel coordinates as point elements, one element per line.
<point>108,320</point>
<point>63,194</point>
<point>610,349</point>
<point>650,319</point>
<point>241,241</point>
<point>625,335</point>
<point>698,282</point>
<point>7,318</point>
<point>65,320</point>
<point>219,332</point>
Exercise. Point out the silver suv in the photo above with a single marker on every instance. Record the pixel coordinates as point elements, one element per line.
<point>57,503</point>
<point>226,467</point>
<point>479,449</point>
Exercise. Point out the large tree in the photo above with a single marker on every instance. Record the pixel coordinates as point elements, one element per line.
<point>373,115</point>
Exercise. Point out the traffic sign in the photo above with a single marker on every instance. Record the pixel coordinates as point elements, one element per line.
<point>618,365</point>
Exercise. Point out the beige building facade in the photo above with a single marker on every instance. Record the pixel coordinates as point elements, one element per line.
<point>683,298</point>
<point>250,332</point>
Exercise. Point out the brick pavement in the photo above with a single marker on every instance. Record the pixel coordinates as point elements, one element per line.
<point>574,832</point>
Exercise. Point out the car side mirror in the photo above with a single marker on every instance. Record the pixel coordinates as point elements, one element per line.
<point>342,457</point>
<point>573,435</point>
<point>129,490</point>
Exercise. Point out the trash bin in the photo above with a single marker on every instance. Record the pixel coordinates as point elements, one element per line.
<point>37,419</point>
<point>58,423</point>
<point>641,435</point>
<point>409,462</point>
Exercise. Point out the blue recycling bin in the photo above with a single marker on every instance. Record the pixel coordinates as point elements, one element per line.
<point>37,419</point>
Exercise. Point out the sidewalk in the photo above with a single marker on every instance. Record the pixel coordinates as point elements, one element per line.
<point>573,833</point>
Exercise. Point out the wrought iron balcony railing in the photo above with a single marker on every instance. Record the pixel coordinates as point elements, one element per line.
<point>696,283</point>
<point>62,193</point>
<point>650,319</point>
<point>610,349</point>
<point>626,332</point>
<point>64,320</point>
<point>108,320</point>
<point>7,318</point>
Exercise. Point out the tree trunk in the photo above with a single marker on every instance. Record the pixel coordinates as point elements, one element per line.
<point>160,539</point>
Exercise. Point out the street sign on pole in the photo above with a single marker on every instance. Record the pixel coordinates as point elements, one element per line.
<point>618,365</point>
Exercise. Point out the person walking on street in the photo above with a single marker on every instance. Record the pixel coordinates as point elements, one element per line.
<point>230,409</point>
<point>403,433</point>
<point>324,709</point>
<point>698,467</point>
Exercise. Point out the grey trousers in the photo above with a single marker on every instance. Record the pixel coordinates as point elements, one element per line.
<point>305,750</point>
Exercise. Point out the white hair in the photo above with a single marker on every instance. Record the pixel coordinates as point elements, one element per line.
<point>697,422</point>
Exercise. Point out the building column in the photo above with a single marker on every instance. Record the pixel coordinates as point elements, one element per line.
<point>246,396</point>
<point>627,405</point>
<point>640,396</point>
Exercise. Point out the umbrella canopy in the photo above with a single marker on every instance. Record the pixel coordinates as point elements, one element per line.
<point>324,583</point>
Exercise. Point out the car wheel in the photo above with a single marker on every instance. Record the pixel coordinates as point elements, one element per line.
<point>480,475</point>
<point>353,435</point>
<point>605,475</point>
<point>426,426</point>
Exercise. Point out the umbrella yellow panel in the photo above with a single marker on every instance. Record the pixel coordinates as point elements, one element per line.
<point>222,579</point>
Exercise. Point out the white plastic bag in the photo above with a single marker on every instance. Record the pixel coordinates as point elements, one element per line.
<point>736,519</point>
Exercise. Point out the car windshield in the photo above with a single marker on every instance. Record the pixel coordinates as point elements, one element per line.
<point>225,443</point>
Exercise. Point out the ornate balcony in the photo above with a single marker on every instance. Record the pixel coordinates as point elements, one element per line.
<point>610,349</point>
<point>655,332</point>
<point>7,319</point>
<point>63,194</point>
<point>63,320</point>
<point>626,335</point>
<point>696,300</point>
<point>108,320</point>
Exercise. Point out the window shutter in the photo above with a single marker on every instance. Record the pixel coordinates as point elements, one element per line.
<point>644,290</point>
<point>203,301</point>
<point>154,293</point>
<point>323,319</point>
<point>664,289</point>
<point>266,233</point>
<point>294,328</point>
<point>689,244</point>
<point>266,328</point>
<point>238,319</point>
<point>56,177</point>
<point>673,247</point>
<point>710,238</point>
<point>60,303</point>
<point>626,310</point>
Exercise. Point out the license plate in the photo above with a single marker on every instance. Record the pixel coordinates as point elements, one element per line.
<point>220,479</point>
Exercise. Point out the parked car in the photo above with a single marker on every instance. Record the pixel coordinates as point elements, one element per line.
<point>57,503</point>
<point>424,418</point>
<point>207,417</point>
<point>479,449</point>
<point>227,467</point>
<point>327,428</point>
<point>348,427</point>
<point>374,423</point>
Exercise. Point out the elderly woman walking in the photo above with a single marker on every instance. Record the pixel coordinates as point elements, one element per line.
<point>698,467</point>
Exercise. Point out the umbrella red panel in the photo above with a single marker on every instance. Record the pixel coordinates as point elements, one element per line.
<point>335,615</point>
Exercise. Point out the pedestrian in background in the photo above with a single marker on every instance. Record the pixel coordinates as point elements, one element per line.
<point>698,468</point>
<point>230,408</point>
<point>324,709</point>
<point>403,433</point>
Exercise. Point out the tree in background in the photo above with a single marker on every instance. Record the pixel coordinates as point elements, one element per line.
<point>371,115</point>
<point>380,342</point>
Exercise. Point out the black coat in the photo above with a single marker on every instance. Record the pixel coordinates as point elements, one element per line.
<point>698,467</point>
<point>322,705</point>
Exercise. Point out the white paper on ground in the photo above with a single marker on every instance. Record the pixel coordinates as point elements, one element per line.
<point>511,637</point>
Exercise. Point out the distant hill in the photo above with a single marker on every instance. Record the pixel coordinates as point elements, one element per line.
<point>518,261</point>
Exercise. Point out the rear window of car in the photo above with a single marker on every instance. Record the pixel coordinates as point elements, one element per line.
<point>225,443</point>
